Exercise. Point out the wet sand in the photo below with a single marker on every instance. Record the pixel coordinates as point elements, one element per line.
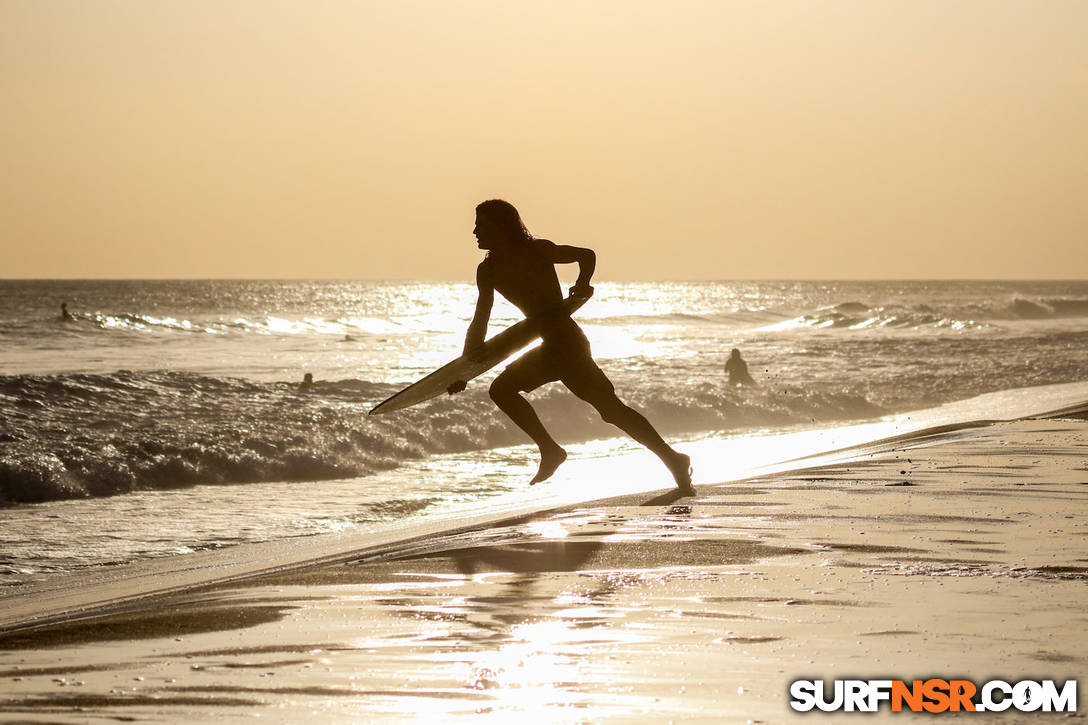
<point>963,553</point>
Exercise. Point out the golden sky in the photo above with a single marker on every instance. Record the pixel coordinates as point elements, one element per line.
<point>681,140</point>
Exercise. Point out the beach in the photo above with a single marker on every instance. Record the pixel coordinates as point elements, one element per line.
<point>953,552</point>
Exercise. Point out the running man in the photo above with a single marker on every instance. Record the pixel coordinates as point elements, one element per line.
<point>522,269</point>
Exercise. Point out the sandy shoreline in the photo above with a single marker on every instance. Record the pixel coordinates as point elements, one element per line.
<point>957,554</point>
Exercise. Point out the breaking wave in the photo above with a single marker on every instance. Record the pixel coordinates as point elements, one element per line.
<point>850,314</point>
<point>71,436</point>
<point>858,315</point>
<point>132,322</point>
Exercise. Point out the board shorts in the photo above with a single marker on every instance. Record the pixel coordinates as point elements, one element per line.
<point>564,355</point>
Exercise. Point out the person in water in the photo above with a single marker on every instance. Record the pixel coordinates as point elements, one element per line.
<point>738,370</point>
<point>522,269</point>
<point>65,315</point>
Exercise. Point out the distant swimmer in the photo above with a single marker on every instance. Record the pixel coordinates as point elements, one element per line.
<point>738,370</point>
<point>65,315</point>
<point>522,269</point>
<point>307,381</point>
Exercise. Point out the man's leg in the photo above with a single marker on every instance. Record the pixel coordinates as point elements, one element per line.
<point>528,373</point>
<point>590,384</point>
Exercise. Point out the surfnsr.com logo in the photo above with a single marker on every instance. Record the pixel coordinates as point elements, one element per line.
<point>933,695</point>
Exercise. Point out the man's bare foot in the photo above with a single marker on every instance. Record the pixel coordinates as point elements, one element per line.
<point>548,463</point>
<point>681,471</point>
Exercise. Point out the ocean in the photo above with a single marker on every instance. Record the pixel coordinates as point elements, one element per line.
<point>167,416</point>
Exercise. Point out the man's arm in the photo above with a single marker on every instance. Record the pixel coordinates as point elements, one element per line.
<point>477,329</point>
<point>587,261</point>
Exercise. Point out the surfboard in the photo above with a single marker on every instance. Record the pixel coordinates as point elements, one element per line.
<point>488,355</point>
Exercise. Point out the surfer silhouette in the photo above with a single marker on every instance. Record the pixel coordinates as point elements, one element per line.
<point>738,370</point>
<point>65,315</point>
<point>522,269</point>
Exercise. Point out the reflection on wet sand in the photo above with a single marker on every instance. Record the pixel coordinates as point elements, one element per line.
<point>516,618</point>
<point>525,617</point>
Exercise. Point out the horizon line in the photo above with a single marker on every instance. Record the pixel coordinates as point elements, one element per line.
<point>469,280</point>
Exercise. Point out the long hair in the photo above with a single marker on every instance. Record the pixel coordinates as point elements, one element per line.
<point>506,217</point>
